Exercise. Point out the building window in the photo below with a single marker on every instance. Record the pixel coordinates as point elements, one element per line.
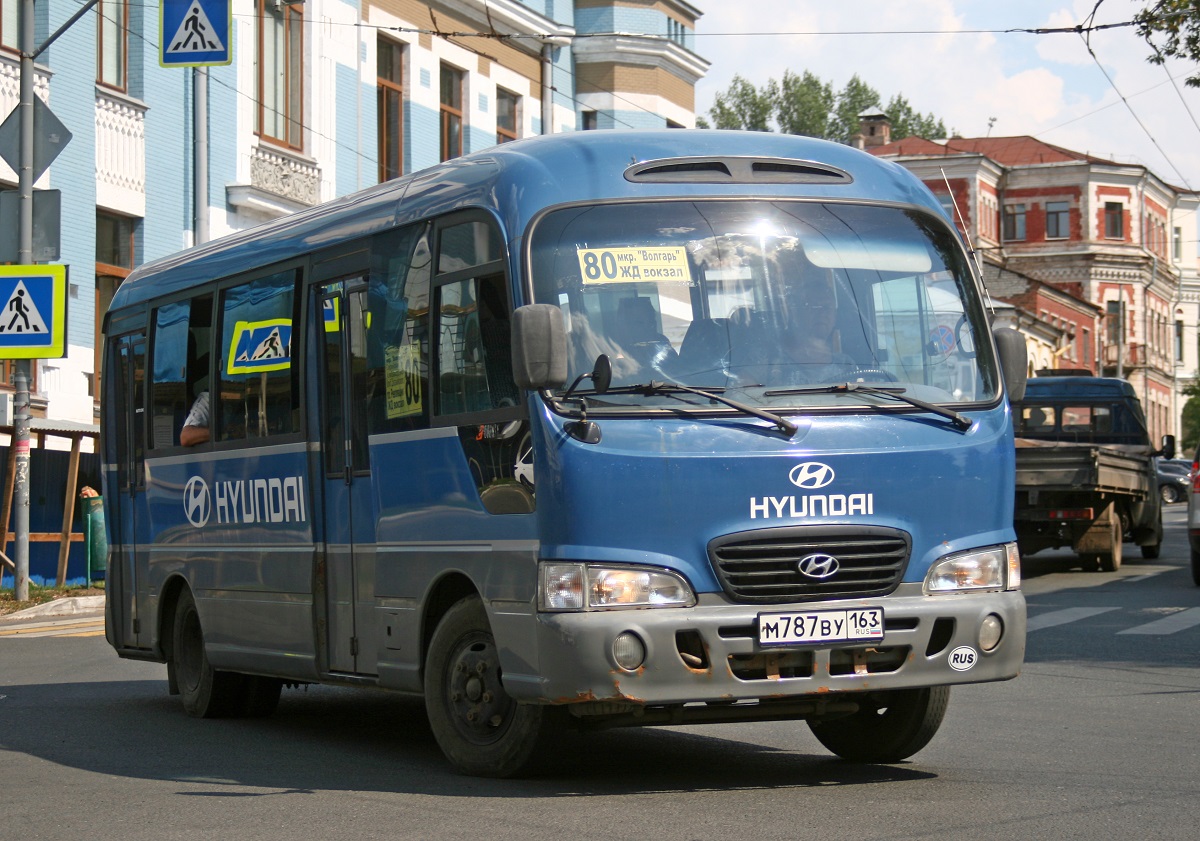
<point>1115,311</point>
<point>1058,219</point>
<point>452,112</point>
<point>1177,245</point>
<point>1114,220</point>
<point>281,72</point>
<point>1014,222</point>
<point>588,121</point>
<point>506,115</point>
<point>114,261</point>
<point>1178,340</point>
<point>10,28</point>
<point>390,72</point>
<point>112,41</point>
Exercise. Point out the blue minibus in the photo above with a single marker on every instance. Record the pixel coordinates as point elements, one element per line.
<point>583,431</point>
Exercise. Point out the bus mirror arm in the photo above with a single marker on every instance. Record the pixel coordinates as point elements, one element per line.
<point>1014,361</point>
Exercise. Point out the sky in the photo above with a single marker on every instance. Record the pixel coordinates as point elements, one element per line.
<point>970,71</point>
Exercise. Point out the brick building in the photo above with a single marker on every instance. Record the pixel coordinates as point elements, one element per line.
<point>1107,252</point>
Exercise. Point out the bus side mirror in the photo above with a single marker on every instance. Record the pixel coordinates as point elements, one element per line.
<point>1014,361</point>
<point>539,347</point>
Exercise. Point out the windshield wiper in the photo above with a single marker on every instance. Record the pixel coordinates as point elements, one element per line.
<point>654,387</point>
<point>959,421</point>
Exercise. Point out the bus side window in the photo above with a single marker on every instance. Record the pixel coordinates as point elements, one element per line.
<point>398,331</point>
<point>257,395</point>
<point>169,401</point>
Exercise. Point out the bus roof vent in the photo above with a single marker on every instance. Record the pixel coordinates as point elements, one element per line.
<point>736,170</point>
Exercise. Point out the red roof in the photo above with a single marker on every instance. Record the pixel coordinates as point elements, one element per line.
<point>1009,151</point>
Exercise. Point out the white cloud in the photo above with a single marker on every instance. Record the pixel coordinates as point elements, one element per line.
<point>1047,86</point>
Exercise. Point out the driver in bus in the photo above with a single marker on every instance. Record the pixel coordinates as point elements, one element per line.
<point>810,347</point>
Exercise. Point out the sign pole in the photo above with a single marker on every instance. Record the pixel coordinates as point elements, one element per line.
<point>20,437</point>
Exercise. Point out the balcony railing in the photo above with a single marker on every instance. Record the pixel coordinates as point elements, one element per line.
<point>120,153</point>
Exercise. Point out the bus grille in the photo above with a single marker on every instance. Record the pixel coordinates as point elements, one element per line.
<point>763,567</point>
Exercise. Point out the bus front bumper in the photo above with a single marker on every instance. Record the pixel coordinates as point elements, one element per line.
<point>711,652</point>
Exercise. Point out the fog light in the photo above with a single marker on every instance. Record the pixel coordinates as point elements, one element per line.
<point>629,652</point>
<point>990,631</point>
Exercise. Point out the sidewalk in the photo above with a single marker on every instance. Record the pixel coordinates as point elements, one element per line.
<point>70,606</point>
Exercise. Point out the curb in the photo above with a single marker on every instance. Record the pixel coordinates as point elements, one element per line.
<point>70,606</point>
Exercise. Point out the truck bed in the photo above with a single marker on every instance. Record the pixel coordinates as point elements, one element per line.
<point>1056,466</point>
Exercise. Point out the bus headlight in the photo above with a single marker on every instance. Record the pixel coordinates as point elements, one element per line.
<point>565,586</point>
<point>993,568</point>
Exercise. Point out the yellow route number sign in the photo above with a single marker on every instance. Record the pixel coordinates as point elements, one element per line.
<point>634,265</point>
<point>403,380</point>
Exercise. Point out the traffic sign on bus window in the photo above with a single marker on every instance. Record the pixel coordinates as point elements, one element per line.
<point>260,346</point>
<point>33,322</point>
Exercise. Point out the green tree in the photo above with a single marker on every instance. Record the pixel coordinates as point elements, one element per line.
<point>1190,421</point>
<point>1172,29</point>
<point>742,106</point>
<point>909,123</point>
<point>803,104</point>
<point>806,104</point>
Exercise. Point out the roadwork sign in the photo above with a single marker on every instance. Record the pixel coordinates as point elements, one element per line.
<point>195,33</point>
<point>33,321</point>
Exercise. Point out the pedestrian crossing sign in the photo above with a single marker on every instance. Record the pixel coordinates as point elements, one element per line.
<point>195,33</point>
<point>33,322</point>
<point>260,346</point>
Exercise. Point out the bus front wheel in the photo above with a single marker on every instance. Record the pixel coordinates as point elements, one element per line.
<point>206,692</point>
<point>479,727</point>
<point>888,727</point>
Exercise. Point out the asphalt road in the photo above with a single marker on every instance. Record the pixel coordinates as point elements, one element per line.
<point>1096,739</point>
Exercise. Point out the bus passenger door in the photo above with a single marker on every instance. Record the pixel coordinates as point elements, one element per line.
<point>126,575</point>
<point>349,519</point>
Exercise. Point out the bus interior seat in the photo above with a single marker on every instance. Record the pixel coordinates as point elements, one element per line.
<point>705,347</point>
<point>638,335</point>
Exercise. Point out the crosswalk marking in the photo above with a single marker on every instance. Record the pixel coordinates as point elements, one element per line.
<point>1063,617</point>
<point>1180,621</point>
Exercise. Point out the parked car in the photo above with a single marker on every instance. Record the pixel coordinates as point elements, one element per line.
<point>1174,478</point>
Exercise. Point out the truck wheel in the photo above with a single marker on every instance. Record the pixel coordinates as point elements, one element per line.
<point>479,727</point>
<point>206,693</point>
<point>888,727</point>
<point>1110,561</point>
<point>1196,568</point>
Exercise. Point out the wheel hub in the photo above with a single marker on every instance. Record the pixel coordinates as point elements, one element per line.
<point>481,707</point>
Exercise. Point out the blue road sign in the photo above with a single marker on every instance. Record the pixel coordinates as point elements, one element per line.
<point>260,346</point>
<point>33,319</point>
<point>195,33</point>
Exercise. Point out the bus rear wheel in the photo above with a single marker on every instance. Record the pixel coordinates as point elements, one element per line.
<point>206,692</point>
<point>482,730</point>
<point>888,727</point>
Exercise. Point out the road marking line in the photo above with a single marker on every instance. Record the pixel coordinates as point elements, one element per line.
<point>1064,616</point>
<point>1172,624</point>
<point>55,629</point>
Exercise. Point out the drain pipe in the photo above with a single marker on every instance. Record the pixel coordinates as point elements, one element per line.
<point>547,88</point>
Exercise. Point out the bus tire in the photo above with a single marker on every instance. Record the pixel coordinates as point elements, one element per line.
<point>888,727</point>
<point>206,692</point>
<point>479,727</point>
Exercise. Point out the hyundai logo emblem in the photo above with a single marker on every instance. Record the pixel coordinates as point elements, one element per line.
<point>196,501</point>
<point>818,566</point>
<point>811,475</point>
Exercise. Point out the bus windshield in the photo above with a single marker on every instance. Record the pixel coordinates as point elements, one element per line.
<point>764,300</point>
